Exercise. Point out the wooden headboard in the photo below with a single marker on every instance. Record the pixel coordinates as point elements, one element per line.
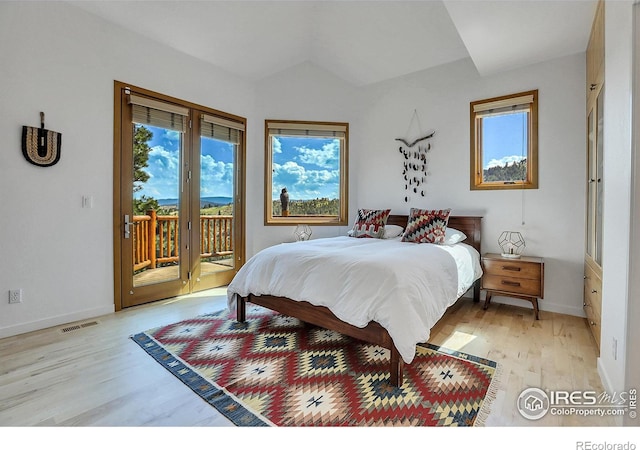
<point>469,225</point>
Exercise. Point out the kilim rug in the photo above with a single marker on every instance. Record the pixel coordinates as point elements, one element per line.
<point>274,370</point>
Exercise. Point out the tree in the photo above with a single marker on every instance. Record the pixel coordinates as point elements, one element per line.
<point>141,137</point>
<point>143,204</point>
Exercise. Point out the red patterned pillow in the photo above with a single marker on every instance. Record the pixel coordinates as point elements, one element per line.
<point>370,223</point>
<point>426,226</point>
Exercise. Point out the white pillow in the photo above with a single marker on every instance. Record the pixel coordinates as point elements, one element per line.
<point>392,231</point>
<point>453,236</point>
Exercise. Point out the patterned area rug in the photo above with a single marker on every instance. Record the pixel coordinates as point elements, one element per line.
<point>274,370</point>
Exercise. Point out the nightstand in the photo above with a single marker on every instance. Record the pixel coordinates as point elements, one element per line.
<point>521,278</point>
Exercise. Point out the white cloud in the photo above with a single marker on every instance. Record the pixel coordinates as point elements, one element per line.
<point>276,146</point>
<point>216,178</point>
<point>302,183</point>
<point>502,161</point>
<point>164,170</point>
<point>328,156</point>
<point>164,175</point>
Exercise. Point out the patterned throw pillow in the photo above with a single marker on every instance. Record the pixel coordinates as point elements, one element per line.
<point>370,223</point>
<point>426,226</point>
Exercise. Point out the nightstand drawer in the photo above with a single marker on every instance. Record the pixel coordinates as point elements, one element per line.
<point>522,286</point>
<point>515,269</point>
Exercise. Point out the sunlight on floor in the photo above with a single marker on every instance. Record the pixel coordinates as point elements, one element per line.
<point>458,340</point>
<point>215,292</point>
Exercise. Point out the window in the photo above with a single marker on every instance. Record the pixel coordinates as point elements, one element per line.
<point>306,175</point>
<point>504,142</point>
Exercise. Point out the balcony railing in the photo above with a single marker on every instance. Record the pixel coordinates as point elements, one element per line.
<point>156,239</point>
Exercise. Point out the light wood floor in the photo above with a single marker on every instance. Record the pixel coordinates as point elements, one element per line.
<point>97,376</point>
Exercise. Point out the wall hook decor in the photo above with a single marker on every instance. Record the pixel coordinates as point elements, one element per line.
<point>40,146</point>
<point>415,166</point>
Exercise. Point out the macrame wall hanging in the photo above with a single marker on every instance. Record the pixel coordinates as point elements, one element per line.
<point>415,165</point>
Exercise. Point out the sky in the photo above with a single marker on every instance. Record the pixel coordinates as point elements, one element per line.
<point>503,140</point>
<point>164,166</point>
<point>308,167</point>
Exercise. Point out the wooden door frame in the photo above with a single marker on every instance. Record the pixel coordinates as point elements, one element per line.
<point>239,194</point>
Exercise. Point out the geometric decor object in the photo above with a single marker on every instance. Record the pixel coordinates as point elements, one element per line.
<point>512,244</point>
<point>302,233</point>
<point>274,370</point>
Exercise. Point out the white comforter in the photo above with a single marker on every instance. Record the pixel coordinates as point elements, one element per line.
<point>403,286</point>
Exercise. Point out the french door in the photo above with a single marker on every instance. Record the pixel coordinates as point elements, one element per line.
<point>178,196</point>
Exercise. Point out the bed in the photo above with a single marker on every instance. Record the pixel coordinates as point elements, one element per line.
<point>395,317</point>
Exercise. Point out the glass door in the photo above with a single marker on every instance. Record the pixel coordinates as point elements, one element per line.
<point>154,216</point>
<point>178,218</point>
<point>216,218</point>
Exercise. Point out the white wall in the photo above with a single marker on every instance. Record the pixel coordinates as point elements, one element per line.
<point>553,214</point>
<point>304,92</point>
<point>63,61</point>
<point>632,375</point>
<point>617,189</point>
<point>58,59</point>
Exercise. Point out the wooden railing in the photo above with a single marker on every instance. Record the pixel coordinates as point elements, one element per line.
<point>156,239</point>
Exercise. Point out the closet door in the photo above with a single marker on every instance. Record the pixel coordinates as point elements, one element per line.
<point>592,302</point>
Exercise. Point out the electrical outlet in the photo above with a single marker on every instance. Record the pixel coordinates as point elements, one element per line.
<point>15,296</point>
<point>614,349</point>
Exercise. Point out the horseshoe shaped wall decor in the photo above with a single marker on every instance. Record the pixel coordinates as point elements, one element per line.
<point>39,146</point>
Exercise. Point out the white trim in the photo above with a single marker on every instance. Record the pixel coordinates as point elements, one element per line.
<point>48,322</point>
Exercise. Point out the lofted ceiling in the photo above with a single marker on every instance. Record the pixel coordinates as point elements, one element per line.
<point>360,41</point>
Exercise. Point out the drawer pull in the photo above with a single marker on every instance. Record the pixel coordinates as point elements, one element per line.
<point>593,324</point>
<point>511,268</point>
<point>593,291</point>
<point>584,303</point>
<point>510,283</point>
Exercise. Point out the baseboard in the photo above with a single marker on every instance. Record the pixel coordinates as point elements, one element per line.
<point>542,305</point>
<point>608,387</point>
<point>41,324</point>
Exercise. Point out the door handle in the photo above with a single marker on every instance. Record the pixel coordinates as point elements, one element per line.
<point>127,230</point>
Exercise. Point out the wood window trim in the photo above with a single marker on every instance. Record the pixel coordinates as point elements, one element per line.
<point>476,169</point>
<point>342,218</point>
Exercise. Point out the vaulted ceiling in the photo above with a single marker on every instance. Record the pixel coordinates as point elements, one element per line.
<point>360,41</point>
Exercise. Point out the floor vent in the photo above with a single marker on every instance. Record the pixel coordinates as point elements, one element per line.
<point>79,326</point>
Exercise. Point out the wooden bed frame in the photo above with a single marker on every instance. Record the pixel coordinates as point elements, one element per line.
<point>373,333</point>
